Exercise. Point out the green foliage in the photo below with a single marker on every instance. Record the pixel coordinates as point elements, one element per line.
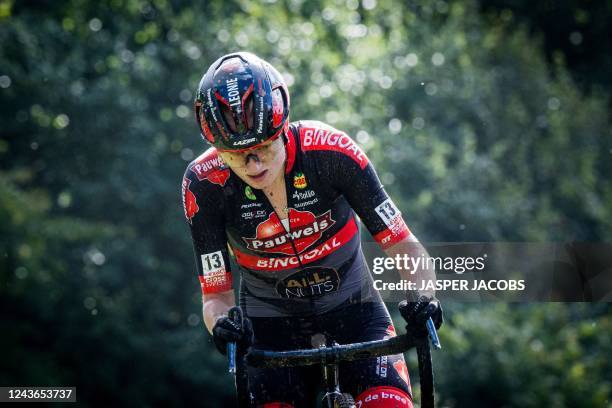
<point>473,132</point>
<point>526,356</point>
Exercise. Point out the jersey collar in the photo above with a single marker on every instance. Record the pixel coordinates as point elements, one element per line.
<point>290,149</point>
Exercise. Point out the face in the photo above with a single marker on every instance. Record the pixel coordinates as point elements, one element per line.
<point>258,167</point>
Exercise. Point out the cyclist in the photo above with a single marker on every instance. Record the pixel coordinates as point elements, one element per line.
<point>282,198</point>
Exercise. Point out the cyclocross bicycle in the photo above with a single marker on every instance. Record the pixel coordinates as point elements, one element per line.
<point>329,356</point>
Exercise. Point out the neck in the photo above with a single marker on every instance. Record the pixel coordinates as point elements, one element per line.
<point>278,182</point>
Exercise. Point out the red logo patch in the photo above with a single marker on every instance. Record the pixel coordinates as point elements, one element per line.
<point>331,139</point>
<point>189,201</point>
<point>277,108</point>
<point>402,370</point>
<point>306,229</point>
<point>210,166</point>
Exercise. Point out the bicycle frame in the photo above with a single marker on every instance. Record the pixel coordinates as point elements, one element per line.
<point>331,355</point>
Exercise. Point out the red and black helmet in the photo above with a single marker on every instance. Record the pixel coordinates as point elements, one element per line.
<point>242,101</point>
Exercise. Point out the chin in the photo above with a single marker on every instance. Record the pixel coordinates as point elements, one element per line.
<point>262,184</point>
<point>259,184</point>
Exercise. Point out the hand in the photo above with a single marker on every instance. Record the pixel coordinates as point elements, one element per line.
<point>416,314</point>
<point>226,331</point>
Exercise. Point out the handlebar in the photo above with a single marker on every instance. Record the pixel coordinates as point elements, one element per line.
<point>332,354</point>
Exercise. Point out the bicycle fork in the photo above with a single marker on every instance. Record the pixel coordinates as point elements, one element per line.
<point>332,386</point>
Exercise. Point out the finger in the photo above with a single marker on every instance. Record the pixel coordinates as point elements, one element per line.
<point>228,335</point>
<point>426,312</point>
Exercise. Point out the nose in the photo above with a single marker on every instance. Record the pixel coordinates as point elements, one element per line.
<point>253,164</point>
<point>252,156</point>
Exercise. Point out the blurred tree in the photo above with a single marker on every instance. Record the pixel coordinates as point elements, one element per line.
<point>573,28</point>
<point>474,133</point>
<point>526,356</point>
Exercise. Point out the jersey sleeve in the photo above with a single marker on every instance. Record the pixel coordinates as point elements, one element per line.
<point>204,212</point>
<point>341,161</point>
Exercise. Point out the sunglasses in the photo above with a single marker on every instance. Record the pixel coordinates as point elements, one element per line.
<point>263,153</point>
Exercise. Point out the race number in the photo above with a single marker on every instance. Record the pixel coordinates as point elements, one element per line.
<point>215,278</point>
<point>396,227</point>
<point>388,212</point>
<point>213,263</point>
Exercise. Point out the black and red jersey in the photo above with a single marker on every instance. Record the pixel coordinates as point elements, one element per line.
<point>315,265</point>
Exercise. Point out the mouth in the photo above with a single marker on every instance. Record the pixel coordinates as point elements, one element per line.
<point>259,176</point>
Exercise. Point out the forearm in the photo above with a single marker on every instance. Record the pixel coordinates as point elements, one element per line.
<point>216,305</point>
<point>421,273</point>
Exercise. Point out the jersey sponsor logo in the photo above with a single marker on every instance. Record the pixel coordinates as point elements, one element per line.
<point>326,139</point>
<point>299,181</point>
<point>294,261</point>
<point>306,203</point>
<point>248,192</point>
<point>309,282</point>
<point>250,205</point>
<point>306,229</point>
<point>402,371</point>
<point>190,205</point>
<point>383,396</point>
<point>382,366</point>
<point>346,233</point>
<point>303,195</point>
<point>210,166</point>
<point>249,215</point>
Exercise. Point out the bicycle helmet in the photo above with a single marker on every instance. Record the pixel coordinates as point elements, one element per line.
<point>241,102</point>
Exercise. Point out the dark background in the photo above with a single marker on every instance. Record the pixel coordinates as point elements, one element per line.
<point>487,121</point>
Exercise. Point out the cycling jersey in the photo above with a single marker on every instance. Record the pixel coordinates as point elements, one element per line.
<point>317,264</point>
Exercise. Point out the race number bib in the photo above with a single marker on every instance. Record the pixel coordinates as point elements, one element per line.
<point>215,277</point>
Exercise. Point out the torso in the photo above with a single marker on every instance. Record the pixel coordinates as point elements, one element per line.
<point>314,266</point>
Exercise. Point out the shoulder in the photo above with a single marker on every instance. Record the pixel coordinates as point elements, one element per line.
<point>203,182</point>
<point>319,136</point>
<point>208,168</point>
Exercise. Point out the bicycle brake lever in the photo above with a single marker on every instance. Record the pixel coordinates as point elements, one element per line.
<point>236,315</point>
<point>433,334</point>
<point>231,354</point>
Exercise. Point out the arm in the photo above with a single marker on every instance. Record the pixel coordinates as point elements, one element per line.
<point>411,247</point>
<point>349,171</point>
<point>203,205</point>
<point>216,305</point>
